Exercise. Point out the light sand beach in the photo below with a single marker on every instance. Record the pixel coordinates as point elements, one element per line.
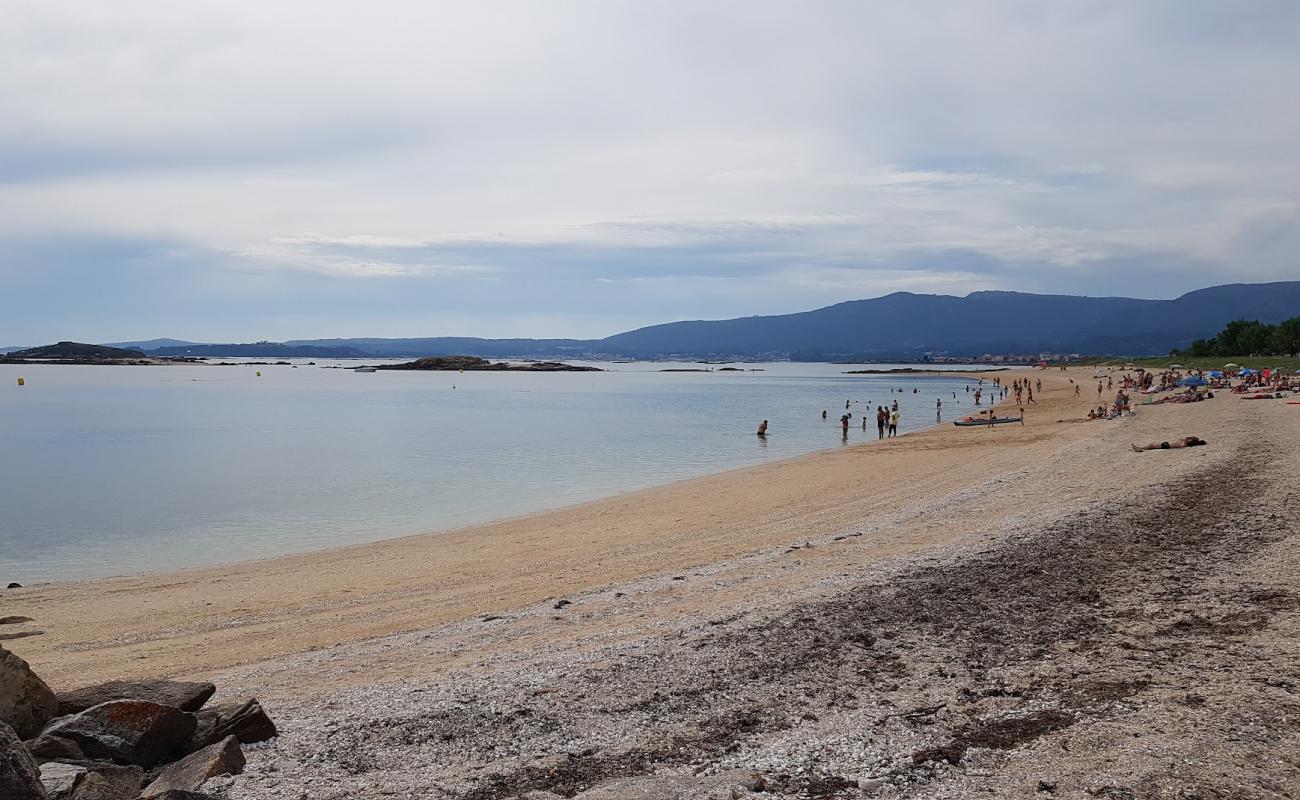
<point>1049,606</point>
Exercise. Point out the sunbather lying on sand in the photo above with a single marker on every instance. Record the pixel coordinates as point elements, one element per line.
<point>1186,441</point>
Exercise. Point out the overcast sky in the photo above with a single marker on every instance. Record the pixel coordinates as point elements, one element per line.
<point>241,170</point>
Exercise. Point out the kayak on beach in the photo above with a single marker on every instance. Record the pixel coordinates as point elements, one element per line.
<point>972,423</point>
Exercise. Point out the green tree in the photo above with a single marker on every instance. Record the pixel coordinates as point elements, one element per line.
<point>1286,337</point>
<point>1243,337</point>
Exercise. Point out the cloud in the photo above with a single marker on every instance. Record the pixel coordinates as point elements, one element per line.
<point>594,164</point>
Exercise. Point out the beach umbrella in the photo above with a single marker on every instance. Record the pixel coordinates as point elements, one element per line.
<point>1192,380</point>
<point>1246,371</point>
<point>1215,373</point>
<point>1177,366</point>
<point>1297,372</point>
<point>1231,366</point>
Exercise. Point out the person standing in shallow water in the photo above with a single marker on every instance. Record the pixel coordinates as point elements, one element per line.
<point>762,428</point>
<point>844,424</point>
<point>882,417</point>
<point>893,423</point>
<point>938,409</point>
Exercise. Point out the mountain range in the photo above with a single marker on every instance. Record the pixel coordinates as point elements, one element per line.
<point>899,326</point>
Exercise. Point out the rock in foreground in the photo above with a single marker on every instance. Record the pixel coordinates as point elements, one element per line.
<point>26,703</point>
<point>190,773</point>
<point>245,721</point>
<point>19,777</point>
<point>55,748</point>
<point>91,780</point>
<point>60,779</point>
<point>127,731</point>
<point>177,694</point>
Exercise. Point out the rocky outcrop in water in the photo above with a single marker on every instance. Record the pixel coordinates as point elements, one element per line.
<point>476,364</point>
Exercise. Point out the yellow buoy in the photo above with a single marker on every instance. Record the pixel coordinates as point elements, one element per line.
<point>259,373</point>
<point>22,381</point>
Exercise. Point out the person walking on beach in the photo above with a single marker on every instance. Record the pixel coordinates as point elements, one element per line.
<point>1076,390</point>
<point>881,417</point>
<point>893,423</point>
<point>938,409</point>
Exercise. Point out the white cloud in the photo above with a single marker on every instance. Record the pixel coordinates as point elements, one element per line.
<point>820,141</point>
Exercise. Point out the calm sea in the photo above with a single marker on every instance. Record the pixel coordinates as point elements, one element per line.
<point>118,470</point>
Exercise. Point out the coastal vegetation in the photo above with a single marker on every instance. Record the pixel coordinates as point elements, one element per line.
<point>1248,338</point>
<point>1287,364</point>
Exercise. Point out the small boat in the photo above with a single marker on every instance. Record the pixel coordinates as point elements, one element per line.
<point>974,423</point>
<point>365,369</point>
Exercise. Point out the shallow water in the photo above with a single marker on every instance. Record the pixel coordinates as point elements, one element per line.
<point>116,470</point>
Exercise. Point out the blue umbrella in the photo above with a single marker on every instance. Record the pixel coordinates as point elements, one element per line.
<point>1216,373</point>
<point>1192,380</point>
<point>1246,371</point>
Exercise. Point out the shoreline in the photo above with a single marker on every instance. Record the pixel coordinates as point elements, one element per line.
<point>387,586</point>
<point>523,517</point>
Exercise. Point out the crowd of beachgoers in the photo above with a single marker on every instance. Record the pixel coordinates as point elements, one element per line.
<point>1180,385</point>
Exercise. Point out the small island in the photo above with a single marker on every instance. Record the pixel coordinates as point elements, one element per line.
<point>476,364</point>
<point>915,371</point>
<point>78,353</point>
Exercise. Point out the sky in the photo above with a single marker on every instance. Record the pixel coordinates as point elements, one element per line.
<point>235,171</point>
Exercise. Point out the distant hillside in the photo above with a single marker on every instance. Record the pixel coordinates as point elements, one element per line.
<point>259,350</point>
<point>905,325</point>
<point>149,344</point>
<point>458,345</point>
<point>901,326</point>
